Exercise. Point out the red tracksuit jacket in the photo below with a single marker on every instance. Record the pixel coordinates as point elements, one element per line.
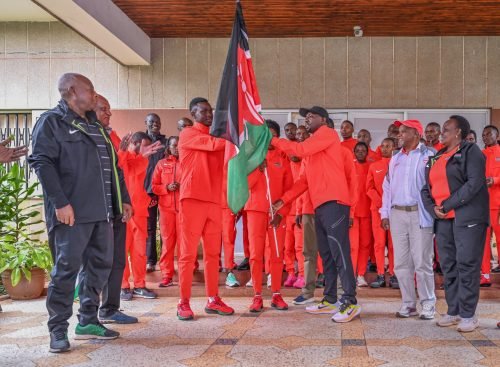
<point>166,172</point>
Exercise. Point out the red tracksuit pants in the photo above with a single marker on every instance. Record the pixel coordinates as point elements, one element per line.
<point>360,236</point>
<point>228,237</point>
<point>493,228</point>
<point>258,232</point>
<point>137,233</point>
<point>170,233</point>
<point>199,219</point>
<point>293,247</point>
<point>380,237</point>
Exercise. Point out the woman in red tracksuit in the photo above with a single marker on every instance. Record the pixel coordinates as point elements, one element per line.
<point>259,225</point>
<point>165,184</point>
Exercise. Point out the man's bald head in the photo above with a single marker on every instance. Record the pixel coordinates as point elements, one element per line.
<point>103,110</point>
<point>78,91</point>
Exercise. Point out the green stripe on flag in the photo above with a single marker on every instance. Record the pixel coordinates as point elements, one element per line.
<point>252,153</point>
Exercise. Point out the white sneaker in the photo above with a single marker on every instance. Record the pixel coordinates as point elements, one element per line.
<point>362,281</point>
<point>428,311</point>
<point>466,325</point>
<point>346,313</point>
<point>269,281</point>
<point>249,284</point>
<point>405,311</point>
<point>324,307</point>
<point>448,320</point>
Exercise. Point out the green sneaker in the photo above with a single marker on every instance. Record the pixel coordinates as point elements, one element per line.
<point>94,331</point>
<point>231,281</point>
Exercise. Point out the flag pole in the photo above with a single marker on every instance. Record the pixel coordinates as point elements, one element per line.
<point>272,213</point>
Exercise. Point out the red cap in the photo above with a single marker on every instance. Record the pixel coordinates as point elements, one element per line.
<point>414,124</point>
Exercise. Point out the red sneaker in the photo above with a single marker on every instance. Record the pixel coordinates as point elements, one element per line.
<point>278,303</point>
<point>257,304</point>
<point>166,282</point>
<point>184,311</point>
<point>218,307</point>
<point>485,280</point>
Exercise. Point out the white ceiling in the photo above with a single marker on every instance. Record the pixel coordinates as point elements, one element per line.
<point>22,10</point>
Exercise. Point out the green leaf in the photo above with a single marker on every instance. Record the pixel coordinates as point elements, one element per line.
<point>15,277</point>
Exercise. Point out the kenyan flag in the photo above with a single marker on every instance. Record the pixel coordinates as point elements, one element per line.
<point>237,118</point>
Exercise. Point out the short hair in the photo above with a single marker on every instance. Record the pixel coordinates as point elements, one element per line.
<point>330,123</point>
<point>273,125</point>
<point>152,114</point>
<point>473,132</point>
<point>361,144</point>
<point>139,136</point>
<point>68,80</point>
<point>493,127</point>
<point>349,122</point>
<point>195,101</point>
<point>462,124</point>
<point>389,139</point>
<point>368,131</point>
<point>291,123</point>
<point>173,137</point>
<point>435,124</point>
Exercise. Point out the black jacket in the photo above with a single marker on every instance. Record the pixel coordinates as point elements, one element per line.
<point>66,161</point>
<point>153,161</point>
<point>466,175</point>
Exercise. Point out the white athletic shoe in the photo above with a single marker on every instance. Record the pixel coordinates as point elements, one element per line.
<point>346,313</point>
<point>448,320</point>
<point>466,325</point>
<point>405,312</point>
<point>428,311</point>
<point>324,307</point>
<point>249,283</point>
<point>362,281</point>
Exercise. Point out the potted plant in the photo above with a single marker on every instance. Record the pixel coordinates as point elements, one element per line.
<point>24,260</point>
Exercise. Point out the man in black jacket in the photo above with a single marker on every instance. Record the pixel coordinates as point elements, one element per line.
<point>83,192</point>
<point>153,126</point>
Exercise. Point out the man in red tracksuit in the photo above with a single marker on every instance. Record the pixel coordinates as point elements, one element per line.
<point>202,160</point>
<point>134,162</point>
<point>364,136</point>
<point>432,135</point>
<point>332,187</point>
<point>492,153</point>
<point>165,184</point>
<point>260,227</point>
<point>375,179</point>
<point>361,230</point>
<point>346,130</point>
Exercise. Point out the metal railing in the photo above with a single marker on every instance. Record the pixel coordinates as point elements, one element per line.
<point>19,126</point>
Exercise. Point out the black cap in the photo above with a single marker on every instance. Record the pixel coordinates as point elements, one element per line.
<point>314,109</point>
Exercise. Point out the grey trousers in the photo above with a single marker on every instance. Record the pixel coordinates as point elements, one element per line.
<point>310,252</point>
<point>413,251</point>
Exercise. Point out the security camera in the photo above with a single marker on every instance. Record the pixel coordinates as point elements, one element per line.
<point>358,31</point>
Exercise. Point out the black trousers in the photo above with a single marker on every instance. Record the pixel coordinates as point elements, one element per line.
<point>88,246</point>
<point>151,253</point>
<point>332,231</point>
<point>460,254</point>
<point>111,291</point>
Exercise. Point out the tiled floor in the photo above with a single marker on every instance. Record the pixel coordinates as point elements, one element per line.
<point>272,338</point>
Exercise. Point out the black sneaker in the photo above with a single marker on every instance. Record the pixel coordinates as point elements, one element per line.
<point>150,268</point>
<point>245,264</point>
<point>117,317</point>
<point>144,293</point>
<point>393,282</point>
<point>126,294</point>
<point>496,270</point>
<point>59,342</point>
<point>320,281</point>
<point>379,282</point>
